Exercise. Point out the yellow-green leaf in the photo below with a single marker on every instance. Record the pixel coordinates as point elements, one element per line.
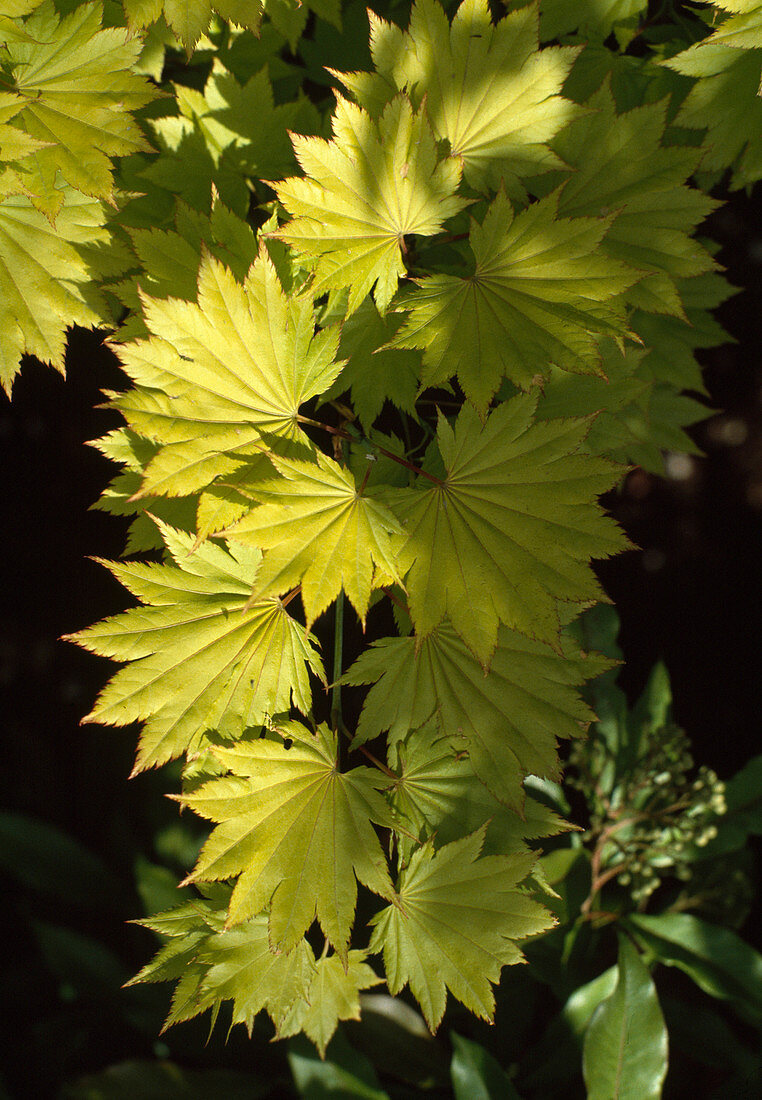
<point>453,924</point>
<point>297,832</point>
<point>376,182</point>
<point>218,373</point>
<point>320,531</point>
<point>509,531</point>
<point>541,292</point>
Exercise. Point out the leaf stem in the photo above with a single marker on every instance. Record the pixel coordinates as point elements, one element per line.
<point>290,596</point>
<point>381,450</point>
<point>377,763</point>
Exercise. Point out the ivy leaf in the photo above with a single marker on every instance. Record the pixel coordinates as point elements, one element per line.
<point>509,531</point>
<point>375,183</point>
<point>189,19</point>
<point>489,91</point>
<point>321,531</point>
<point>77,89</point>
<point>453,924</point>
<point>507,720</point>
<point>297,831</point>
<point>200,659</point>
<point>621,165</point>
<point>541,293</point>
<point>217,374</point>
<point>45,284</point>
<point>438,794</point>
<point>334,995</point>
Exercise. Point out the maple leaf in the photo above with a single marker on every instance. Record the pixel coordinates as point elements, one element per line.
<point>45,283</point>
<point>671,341</point>
<point>507,721</point>
<point>373,373</point>
<point>594,18</point>
<point>453,924</point>
<point>439,795</point>
<point>375,183</point>
<point>541,293</point>
<point>297,831</point>
<point>15,145</point>
<point>169,260</point>
<point>321,531</point>
<point>199,659</point>
<point>77,90</point>
<point>334,995</point>
<point>489,91</point>
<point>189,19</point>
<point>509,530</point>
<point>621,165</point>
<point>215,964</point>
<point>226,132</point>
<point>725,102</point>
<point>246,121</point>
<point>217,374</point>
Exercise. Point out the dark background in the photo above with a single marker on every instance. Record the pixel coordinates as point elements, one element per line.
<point>691,594</point>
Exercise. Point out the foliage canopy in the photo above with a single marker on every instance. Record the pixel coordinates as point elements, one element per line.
<point>385,348</point>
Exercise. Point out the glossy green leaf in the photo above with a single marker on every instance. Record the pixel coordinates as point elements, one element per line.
<point>624,1056</point>
<point>476,1075</point>
<point>718,960</point>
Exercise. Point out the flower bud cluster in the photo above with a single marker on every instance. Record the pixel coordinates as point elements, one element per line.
<point>656,815</point>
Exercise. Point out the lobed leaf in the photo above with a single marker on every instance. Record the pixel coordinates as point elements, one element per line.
<point>200,659</point>
<point>453,924</point>
<point>297,832</point>
<point>509,531</point>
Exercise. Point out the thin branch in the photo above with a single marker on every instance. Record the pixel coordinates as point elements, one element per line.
<point>381,450</point>
<point>377,763</point>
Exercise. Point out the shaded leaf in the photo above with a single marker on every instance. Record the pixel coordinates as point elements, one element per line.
<point>543,291</point>
<point>625,1048</point>
<point>334,995</point>
<point>507,720</point>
